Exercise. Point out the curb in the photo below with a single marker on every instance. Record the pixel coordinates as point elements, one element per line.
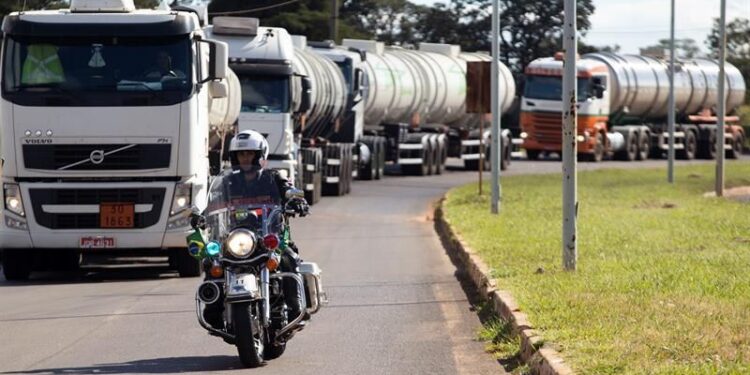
<point>541,358</point>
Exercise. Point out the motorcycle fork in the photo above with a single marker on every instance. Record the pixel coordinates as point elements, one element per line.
<point>265,281</point>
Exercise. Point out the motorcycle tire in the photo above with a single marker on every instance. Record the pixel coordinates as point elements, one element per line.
<point>249,336</point>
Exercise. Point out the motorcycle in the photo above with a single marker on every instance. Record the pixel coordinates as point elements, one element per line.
<point>249,260</point>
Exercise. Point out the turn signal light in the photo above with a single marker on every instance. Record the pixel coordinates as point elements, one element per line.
<point>271,241</point>
<point>273,263</point>
<point>217,271</point>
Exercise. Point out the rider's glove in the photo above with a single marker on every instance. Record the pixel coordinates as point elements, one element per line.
<point>300,206</point>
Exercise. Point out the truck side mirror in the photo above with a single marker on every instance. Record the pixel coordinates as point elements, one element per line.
<point>358,87</point>
<point>306,101</point>
<point>218,55</point>
<point>598,91</point>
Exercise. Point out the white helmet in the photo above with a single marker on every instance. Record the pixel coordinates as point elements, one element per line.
<point>248,140</point>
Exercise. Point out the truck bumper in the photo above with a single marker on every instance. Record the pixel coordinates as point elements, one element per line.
<point>46,229</point>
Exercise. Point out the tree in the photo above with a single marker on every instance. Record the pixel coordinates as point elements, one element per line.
<point>685,48</point>
<point>738,46</point>
<point>389,21</point>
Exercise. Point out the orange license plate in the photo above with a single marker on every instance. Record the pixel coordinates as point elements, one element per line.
<point>116,215</point>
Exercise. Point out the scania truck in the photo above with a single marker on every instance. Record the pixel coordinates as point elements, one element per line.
<point>105,132</point>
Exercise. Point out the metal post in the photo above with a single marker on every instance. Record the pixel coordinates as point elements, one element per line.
<point>496,148</point>
<point>480,162</point>
<point>670,163</point>
<point>722,103</point>
<point>334,24</point>
<point>570,144</point>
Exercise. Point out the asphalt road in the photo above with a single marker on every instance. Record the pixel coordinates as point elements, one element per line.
<point>396,304</point>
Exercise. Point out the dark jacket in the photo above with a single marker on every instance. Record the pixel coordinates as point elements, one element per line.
<point>268,187</point>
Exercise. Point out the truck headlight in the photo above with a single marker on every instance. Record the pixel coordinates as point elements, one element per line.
<point>183,194</point>
<point>13,201</point>
<point>241,243</point>
<point>524,135</point>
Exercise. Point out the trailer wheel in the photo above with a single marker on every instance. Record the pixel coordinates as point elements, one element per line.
<point>17,264</point>
<point>737,148</point>
<point>690,147</point>
<point>644,145</point>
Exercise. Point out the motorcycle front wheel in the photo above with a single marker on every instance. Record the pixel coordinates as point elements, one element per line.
<point>248,331</point>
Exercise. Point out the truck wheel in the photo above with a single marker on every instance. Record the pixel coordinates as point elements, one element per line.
<point>381,158</point>
<point>532,154</point>
<point>598,153</point>
<point>644,146</point>
<point>505,161</point>
<point>17,264</point>
<point>736,151</point>
<point>630,152</point>
<point>690,147</point>
<point>186,265</point>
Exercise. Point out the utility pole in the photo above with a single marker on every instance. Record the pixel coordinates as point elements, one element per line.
<point>722,102</point>
<point>570,141</point>
<point>333,27</point>
<point>496,148</point>
<point>671,119</point>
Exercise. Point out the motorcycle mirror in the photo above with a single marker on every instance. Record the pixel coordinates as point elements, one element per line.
<point>294,193</point>
<point>197,221</point>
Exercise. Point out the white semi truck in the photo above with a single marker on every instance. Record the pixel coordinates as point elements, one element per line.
<point>105,132</point>
<point>334,112</point>
<point>622,107</point>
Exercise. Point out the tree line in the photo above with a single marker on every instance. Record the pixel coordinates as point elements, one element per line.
<point>529,28</point>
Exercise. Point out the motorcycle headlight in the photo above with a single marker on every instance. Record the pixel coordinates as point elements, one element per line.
<point>241,243</point>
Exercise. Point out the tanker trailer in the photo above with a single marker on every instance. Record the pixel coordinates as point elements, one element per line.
<point>296,99</point>
<point>416,99</point>
<point>622,107</point>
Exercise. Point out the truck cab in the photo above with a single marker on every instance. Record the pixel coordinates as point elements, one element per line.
<point>104,121</point>
<point>541,107</point>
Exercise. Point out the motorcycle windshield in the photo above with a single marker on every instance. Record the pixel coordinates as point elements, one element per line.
<point>225,212</point>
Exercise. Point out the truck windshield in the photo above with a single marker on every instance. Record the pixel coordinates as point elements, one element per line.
<point>97,70</point>
<point>265,94</point>
<point>550,88</point>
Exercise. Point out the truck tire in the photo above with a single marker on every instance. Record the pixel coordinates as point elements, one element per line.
<point>532,154</point>
<point>505,161</point>
<point>598,154</point>
<point>420,169</point>
<point>690,147</point>
<point>186,265</point>
<point>630,152</point>
<point>368,170</point>
<point>336,189</point>
<point>737,148</point>
<point>381,158</point>
<point>17,264</point>
<point>644,145</point>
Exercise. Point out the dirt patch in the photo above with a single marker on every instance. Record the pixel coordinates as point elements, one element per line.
<point>741,194</point>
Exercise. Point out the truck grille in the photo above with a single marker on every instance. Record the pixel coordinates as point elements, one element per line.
<point>547,126</point>
<point>79,157</point>
<point>39,197</point>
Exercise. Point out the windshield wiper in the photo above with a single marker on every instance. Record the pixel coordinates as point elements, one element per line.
<point>51,87</point>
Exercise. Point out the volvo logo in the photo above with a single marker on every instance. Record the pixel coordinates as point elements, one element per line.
<point>97,156</point>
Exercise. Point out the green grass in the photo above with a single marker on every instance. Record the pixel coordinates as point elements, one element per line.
<point>663,279</point>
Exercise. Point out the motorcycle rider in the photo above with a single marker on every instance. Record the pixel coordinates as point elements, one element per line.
<point>251,183</point>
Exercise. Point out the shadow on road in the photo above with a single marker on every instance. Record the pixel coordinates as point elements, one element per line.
<point>149,366</point>
<point>96,274</point>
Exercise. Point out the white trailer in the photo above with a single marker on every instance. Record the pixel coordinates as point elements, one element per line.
<point>105,129</point>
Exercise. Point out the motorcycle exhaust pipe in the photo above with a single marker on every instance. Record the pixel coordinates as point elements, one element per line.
<point>209,292</point>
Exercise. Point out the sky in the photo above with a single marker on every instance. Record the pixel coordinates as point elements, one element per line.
<point>633,24</point>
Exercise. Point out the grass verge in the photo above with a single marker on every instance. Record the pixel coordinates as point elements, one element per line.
<point>662,284</point>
